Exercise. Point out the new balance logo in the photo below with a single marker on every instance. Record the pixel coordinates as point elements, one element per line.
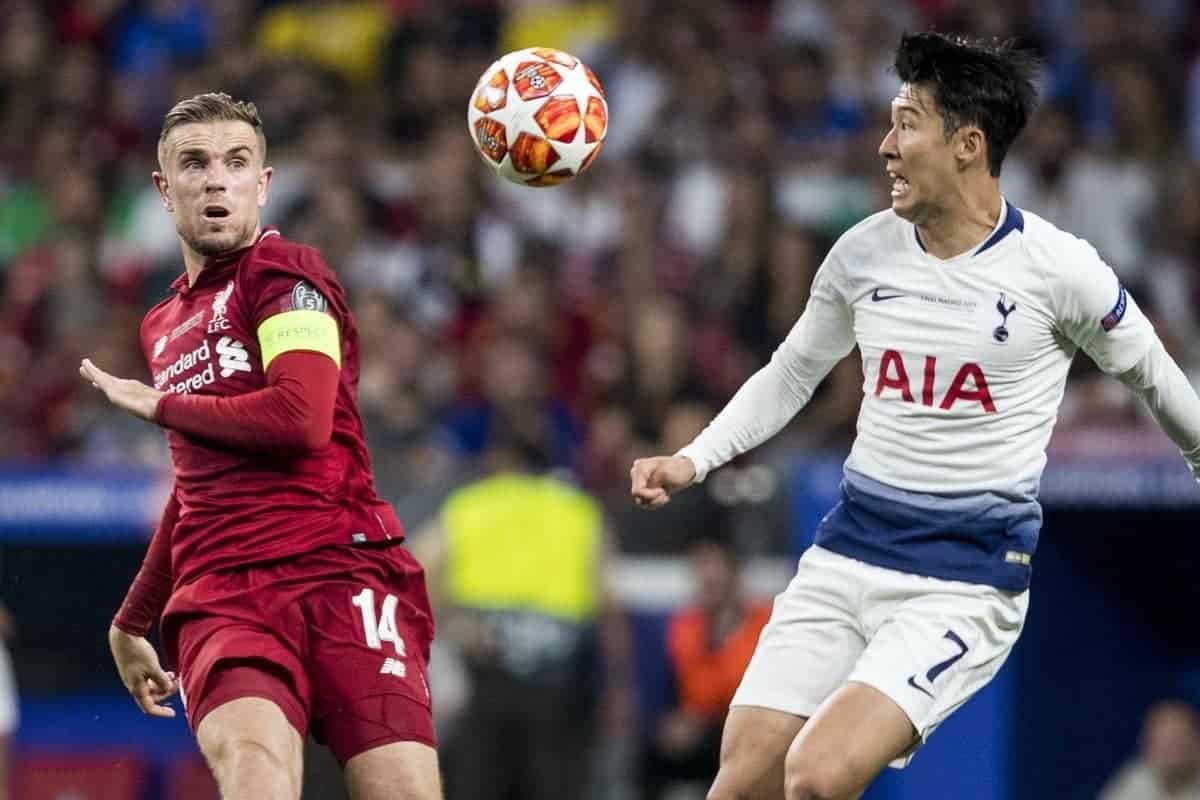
<point>392,666</point>
<point>232,356</point>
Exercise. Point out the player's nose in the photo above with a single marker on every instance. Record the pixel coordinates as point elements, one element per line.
<point>887,148</point>
<point>215,177</point>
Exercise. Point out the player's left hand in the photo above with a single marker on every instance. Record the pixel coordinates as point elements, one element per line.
<point>143,675</point>
<point>129,395</point>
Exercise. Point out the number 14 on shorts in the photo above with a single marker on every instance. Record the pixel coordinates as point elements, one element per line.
<point>381,628</point>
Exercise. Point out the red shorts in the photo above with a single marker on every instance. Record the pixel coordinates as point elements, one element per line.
<point>338,638</point>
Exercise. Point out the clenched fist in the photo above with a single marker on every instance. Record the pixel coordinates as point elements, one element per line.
<point>656,479</point>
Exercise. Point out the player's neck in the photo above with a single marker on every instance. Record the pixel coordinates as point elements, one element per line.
<point>963,224</point>
<point>194,262</point>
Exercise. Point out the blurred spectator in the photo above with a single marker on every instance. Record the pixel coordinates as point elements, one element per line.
<point>1105,194</point>
<point>517,565</point>
<point>811,119</point>
<point>1176,266</point>
<point>514,387</point>
<point>1168,766</point>
<point>709,645</point>
<point>157,32</point>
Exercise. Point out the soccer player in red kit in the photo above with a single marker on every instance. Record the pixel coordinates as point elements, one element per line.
<point>287,602</point>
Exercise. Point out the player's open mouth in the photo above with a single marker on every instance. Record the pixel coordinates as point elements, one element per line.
<point>215,212</point>
<point>899,184</point>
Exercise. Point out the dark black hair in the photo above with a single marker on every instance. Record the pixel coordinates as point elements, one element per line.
<point>974,82</point>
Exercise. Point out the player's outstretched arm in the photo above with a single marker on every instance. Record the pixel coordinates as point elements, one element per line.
<point>758,411</point>
<point>766,402</point>
<point>293,413</point>
<point>1096,312</point>
<point>1166,391</point>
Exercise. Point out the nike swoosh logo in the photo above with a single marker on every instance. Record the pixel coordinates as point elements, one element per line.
<point>876,296</point>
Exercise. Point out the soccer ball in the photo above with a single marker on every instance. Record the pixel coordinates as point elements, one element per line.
<point>538,116</point>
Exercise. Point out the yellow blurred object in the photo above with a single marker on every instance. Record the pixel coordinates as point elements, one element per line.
<point>347,38</point>
<point>575,27</point>
<point>519,542</point>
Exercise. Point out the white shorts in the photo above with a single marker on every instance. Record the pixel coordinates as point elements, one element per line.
<point>928,644</point>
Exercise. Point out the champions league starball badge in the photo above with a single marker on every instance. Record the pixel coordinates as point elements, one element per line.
<point>1000,334</point>
<point>307,298</point>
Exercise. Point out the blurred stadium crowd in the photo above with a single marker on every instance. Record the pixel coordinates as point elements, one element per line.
<point>616,313</point>
<point>626,307</point>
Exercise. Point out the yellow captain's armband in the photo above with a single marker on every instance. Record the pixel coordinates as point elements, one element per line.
<point>299,330</point>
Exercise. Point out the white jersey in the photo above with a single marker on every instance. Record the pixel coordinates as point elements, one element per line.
<point>965,362</point>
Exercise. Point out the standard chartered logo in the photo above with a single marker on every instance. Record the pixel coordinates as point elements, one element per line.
<point>176,369</point>
<point>193,370</point>
<point>232,356</point>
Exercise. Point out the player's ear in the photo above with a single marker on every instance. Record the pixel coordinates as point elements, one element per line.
<point>971,146</point>
<point>160,183</point>
<point>264,184</point>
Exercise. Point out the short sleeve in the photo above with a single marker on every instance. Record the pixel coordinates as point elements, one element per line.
<point>1095,311</point>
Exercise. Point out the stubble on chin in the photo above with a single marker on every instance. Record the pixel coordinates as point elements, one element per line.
<point>209,246</point>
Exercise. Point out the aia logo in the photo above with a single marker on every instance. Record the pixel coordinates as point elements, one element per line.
<point>969,384</point>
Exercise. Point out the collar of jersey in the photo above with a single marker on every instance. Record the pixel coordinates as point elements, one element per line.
<point>221,264</point>
<point>1011,219</point>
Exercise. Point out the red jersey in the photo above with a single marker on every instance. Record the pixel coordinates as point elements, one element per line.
<point>238,507</point>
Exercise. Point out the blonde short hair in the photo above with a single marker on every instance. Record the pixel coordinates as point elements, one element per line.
<point>210,107</point>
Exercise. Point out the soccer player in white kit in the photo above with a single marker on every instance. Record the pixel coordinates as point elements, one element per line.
<point>967,312</point>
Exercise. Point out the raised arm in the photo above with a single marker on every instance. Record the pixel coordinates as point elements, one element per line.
<point>822,336</point>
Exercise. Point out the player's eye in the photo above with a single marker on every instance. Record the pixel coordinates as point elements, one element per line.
<point>192,163</point>
<point>238,163</point>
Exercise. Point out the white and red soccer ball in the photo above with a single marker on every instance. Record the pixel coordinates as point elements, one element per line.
<point>538,116</point>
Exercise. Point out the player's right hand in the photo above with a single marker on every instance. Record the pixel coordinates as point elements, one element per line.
<point>141,672</point>
<point>654,480</point>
